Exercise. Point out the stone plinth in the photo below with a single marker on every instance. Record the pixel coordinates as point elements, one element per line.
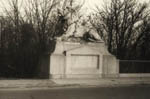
<point>75,60</point>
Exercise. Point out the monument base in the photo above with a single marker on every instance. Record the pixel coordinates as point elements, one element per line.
<point>88,76</point>
<point>75,60</point>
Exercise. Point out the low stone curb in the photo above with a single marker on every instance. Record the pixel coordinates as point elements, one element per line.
<point>41,84</point>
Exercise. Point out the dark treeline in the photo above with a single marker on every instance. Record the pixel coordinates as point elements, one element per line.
<point>25,35</point>
<point>125,27</point>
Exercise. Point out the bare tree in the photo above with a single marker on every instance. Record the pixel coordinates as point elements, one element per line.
<point>50,19</point>
<point>141,48</point>
<point>30,30</point>
<point>118,24</point>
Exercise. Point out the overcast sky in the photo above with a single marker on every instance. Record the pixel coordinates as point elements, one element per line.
<point>89,5</point>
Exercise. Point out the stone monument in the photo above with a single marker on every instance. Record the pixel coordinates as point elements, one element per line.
<point>80,53</point>
<point>87,60</point>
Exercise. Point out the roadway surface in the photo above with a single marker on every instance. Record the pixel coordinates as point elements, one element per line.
<point>126,92</point>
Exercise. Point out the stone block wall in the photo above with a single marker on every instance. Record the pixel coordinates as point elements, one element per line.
<point>75,60</point>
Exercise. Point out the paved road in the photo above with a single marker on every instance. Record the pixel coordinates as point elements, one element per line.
<point>132,92</point>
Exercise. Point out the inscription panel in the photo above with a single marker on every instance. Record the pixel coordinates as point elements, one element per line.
<point>84,61</point>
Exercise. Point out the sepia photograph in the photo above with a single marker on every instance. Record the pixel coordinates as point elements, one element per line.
<point>74,49</point>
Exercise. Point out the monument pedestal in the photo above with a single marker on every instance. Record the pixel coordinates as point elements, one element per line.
<point>75,60</point>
